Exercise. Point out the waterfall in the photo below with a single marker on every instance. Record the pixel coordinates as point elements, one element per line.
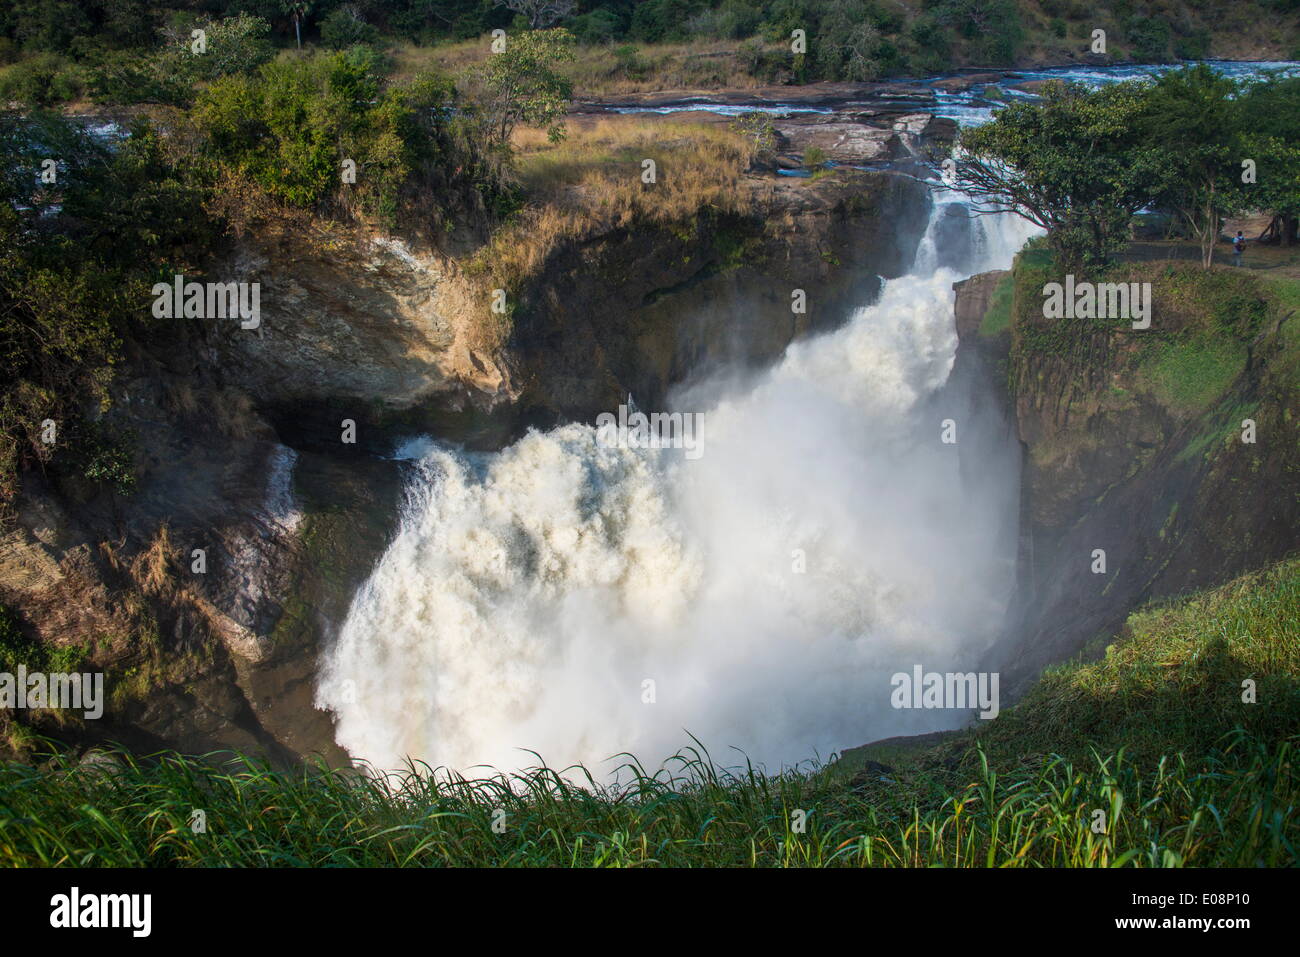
<point>579,599</point>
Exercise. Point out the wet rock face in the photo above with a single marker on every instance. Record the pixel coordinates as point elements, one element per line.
<point>363,320</point>
<point>968,81</point>
<point>972,302</point>
<point>204,597</point>
<point>850,143</point>
<point>642,311</point>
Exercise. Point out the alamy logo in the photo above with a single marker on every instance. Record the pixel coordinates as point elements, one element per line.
<point>1104,300</point>
<point>78,692</point>
<point>74,910</point>
<point>214,300</point>
<point>658,430</point>
<point>953,690</point>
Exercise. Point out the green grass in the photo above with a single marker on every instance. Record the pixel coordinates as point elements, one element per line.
<point>1154,734</point>
<point>998,317</point>
<point>1174,682</point>
<point>1189,374</point>
<point>1203,324</point>
<point>1287,294</point>
<point>1219,428</point>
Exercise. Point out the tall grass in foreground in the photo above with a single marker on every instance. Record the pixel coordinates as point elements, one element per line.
<point>1238,808</point>
<point>1154,735</point>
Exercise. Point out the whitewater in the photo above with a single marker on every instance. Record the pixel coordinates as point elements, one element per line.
<point>570,600</point>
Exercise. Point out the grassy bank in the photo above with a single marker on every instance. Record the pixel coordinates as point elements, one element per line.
<point>597,180</point>
<point>1203,325</point>
<point>1145,757</point>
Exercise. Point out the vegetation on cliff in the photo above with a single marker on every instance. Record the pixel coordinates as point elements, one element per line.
<point>89,220</point>
<point>595,180</point>
<point>77,256</point>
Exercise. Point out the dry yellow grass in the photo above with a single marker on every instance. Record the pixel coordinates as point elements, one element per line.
<point>153,567</point>
<point>234,413</point>
<point>621,68</point>
<point>593,182</point>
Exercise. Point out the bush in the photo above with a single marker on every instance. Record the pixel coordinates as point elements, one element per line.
<point>344,28</point>
<point>290,126</point>
<point>768,65</point>
<point>118,77</point>
<point>660,21</point>
<point>1194,46</point>
<point>598,26</point>
<point>72,289</point>
<point>993,27</point>
<point>731,20</point>
<point>46,79</point>
<point>236,44</point>
<point>933,48</point>
<point>758,128</point>
<point>629,63</point>
<point>50,25</point>
<point>1149,38</point>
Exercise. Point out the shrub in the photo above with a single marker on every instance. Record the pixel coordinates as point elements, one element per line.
<point>290,126</point>
<point>598,26</point>
<point>758,128</point>
<point>1194,46</point>
<point>46,79</point>
<point>629,63</point>
<point>73,288</point>
<point>236,44</point>
<point>1149,38</point>
<point>344,27</point>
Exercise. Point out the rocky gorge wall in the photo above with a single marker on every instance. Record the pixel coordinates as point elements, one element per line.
<point>1133,445</point>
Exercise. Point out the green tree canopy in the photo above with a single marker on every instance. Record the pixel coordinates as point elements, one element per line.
<point>521,85</point>
<point>1073,163</point>
<point>1191,119</point>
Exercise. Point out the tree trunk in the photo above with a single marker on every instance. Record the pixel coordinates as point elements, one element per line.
<point>297,30</point>
<point>1211,234</point>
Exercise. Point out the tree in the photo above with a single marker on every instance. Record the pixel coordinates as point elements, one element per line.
<point>1192,118</point>
<point>345,27</point>
<point>297,10</point>
<point>520,85</point>
<point>1277,188</point>
<point>1271,119</point>
<point>1073,163</point>
<point>992,26</point>
<point>847,42</point>
<point>540,13</point>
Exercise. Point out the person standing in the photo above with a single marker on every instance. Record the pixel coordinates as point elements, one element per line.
<point>1238,247</point>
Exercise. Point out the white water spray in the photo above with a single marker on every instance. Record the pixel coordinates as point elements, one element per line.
<point>581,601</point>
